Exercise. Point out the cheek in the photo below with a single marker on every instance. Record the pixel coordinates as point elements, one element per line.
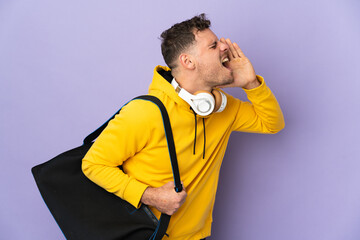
<point>210,61</point>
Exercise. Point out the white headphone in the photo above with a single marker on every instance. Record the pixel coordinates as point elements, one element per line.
<point>203,102</point>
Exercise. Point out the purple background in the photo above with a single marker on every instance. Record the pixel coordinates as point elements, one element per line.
<point>66,66</point>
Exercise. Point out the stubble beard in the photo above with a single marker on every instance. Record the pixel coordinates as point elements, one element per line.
<point>216,77</point>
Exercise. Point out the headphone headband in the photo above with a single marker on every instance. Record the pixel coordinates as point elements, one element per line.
<point>202,103</point>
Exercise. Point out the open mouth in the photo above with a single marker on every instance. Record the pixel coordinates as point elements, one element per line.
<point>225,62</point>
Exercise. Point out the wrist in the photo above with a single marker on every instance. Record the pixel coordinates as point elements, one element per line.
<point>147,196</point>
<point>253,84</point>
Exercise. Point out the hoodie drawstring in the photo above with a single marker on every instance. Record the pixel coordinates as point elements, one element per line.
<point>204,148</point>
<point>195,131</point>
<point>204,138</point>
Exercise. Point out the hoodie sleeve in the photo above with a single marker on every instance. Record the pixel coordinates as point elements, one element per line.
<point>124,136</point>
<point>262,115</point>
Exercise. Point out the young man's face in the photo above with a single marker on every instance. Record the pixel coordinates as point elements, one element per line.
<point>210,54</point>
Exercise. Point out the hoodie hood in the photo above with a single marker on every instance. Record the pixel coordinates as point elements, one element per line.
<point>162,82</point>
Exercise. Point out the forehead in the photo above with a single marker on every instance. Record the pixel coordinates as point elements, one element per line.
<point>205,37</point>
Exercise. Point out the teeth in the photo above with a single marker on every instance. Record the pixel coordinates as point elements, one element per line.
<point>225,60</point>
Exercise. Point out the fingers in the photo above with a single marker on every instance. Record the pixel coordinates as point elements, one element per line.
<point>238,50</point>
<point>235,51</point>
<point>174,200</point>
<point>183,187</point>
<point>172,185</point>
<point>232,53</point>
<point>164,198</point>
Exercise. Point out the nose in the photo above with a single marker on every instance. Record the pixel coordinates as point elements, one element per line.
<point>223,45</point>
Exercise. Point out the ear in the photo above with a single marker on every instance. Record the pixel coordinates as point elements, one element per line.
<point>187,61</point>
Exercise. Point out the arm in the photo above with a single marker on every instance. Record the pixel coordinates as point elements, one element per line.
<point>264,115</point>
<point>125,136</point>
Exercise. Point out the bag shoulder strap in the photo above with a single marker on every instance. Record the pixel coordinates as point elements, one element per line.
<point>164,219</point>
<point>169,138</point>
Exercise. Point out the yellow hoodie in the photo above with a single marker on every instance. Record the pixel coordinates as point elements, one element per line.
<point>135,139</point>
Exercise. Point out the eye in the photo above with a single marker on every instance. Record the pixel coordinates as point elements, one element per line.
<point>214,45</point>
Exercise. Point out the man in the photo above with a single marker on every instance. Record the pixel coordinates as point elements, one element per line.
<point>199,64</point>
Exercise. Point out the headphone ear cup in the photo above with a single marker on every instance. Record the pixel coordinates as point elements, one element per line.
<point>205,102</point>
<point>220,101</point>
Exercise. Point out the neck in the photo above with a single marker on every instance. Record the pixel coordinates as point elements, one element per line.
<point>192,84</point>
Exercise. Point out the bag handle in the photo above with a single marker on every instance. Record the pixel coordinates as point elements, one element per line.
<point>164,219</point>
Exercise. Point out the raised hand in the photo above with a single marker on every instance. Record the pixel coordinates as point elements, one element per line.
<point>241,67</point>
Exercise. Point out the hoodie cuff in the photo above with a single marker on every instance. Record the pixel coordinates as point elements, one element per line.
<point>134,191</point>
<point>262,83</point>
